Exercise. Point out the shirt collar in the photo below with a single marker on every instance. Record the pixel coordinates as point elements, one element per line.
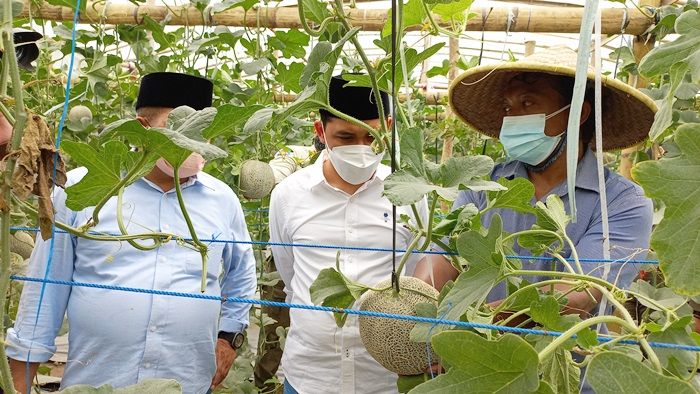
<point>586,173</point>
<point>202,178</point>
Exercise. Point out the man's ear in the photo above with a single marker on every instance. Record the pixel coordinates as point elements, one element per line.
<point>586,111</point>
<point>318,127</point>
<point>144,122</point>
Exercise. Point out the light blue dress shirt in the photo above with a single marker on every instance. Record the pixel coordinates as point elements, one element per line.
<point>121,338</point>
<point>629,217</point>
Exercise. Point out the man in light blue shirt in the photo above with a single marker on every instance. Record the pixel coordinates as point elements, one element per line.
<point>121,338</point>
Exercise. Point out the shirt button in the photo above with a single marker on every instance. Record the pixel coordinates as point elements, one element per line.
<point>154,328</point>
<point>147,365</point>
<point>166,227</point>
<point>163,259</point>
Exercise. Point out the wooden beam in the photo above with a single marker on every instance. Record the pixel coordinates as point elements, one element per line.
<point>525,19</point>
<point>432,97</point>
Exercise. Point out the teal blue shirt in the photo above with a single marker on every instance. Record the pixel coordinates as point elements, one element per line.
<point>629,217</point>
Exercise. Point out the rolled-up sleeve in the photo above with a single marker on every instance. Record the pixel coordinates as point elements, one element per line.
<point>40,316</point>
<point>239,279</point>
<point>630,218</point>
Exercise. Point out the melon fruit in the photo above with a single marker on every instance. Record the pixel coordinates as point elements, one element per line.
<point>388,340</point>
<point>22,244</point>
<point>256,179</point>
<point>79,117</point>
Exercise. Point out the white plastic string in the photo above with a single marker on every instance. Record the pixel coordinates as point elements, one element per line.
<point>599,154</point>
<point>572,140</point>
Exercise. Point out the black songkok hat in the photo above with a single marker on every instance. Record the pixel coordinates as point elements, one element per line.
<point>171,90</point>
<point>357,102</point>
<point>25,47</point>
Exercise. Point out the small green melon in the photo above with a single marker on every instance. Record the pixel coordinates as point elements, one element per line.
<point>388,340</point>
<point>22,244</point>
<point>256,179</point>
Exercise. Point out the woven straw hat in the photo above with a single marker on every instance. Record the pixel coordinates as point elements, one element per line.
<point>477,97</point>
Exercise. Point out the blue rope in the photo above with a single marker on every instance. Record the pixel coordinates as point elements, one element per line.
<point>368,249</point>
<point>418,319</point>
<point>56,158</point>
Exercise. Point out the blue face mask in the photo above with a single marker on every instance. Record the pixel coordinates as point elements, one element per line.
<point>524,139</point>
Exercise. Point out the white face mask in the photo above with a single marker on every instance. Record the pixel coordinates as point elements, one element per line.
<point>354,163</point>
<point>190,167</point>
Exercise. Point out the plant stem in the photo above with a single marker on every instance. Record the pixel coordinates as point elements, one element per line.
<point>200,246</point>
<point>566,335</point>
<point>629,321</point>
<point>370,70</point>
<point>431,218</point>
<point>406,255</point>
<point>419,221</point>
<point>123,230</point>
<point>11,68</point>
<point>504,304</point>
<point>453,259</point>
<point>129,178</point>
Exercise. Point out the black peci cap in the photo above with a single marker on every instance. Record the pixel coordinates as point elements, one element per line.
<point>25,47</point>
<point>357,102</point>
<point>171,90</point>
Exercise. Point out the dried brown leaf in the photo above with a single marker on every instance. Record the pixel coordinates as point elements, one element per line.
<point>34,170</point>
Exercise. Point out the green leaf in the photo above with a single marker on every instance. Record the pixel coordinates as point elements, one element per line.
<point>255,66</point>
<point>316,10</point>
<point>229,120</point>
<point>403,188</point>
<point>412,152</point>
<point>544,388</point>
<point>330,289</point>
<point>518,196</point>
<point>407,383</point>
<point>679,334</point>
<point>107,165</point>
<point>614,373</point>
<point>17,7</point>
<point>508,365</point>
<point>676,182</point>
<point>453,11</point>
<point>664,117</point>
<point>68,3</point>
<point>546,312</point>
<point>289,76</point>
<point>559,372</point>
<point>479,249</point>
<point>662,295</point>
<point>552,215</point>
<point>258,120</point>
<point>158,33</point>
<point>686,49</point>
<point>413,15</point>
<point>439,70</point>
<point>291,43</point>
<point>587,338</point>
<point>462,170</point>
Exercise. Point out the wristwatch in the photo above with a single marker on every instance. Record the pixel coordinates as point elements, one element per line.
<point>235,339</point>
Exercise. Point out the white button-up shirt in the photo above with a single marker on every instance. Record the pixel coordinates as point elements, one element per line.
<point>318,356</point>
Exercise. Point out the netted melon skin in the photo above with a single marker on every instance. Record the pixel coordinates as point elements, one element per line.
<point>22,244</point>
<point>388,340</point>
<point>256,179</point>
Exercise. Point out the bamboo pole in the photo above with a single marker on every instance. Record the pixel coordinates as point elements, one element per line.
<point>432,97</point>
<point>530,47</point>
<point>525,19</point>
<point>640,47</point>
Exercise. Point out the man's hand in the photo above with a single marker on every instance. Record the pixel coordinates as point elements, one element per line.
<point>225,356</point>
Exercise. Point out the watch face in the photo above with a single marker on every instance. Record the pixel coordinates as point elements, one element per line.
<point>238,340</point>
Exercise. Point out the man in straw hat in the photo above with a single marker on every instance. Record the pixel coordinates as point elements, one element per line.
<point>336,201</point>
<point>526,105</point>
<point>122,338</point>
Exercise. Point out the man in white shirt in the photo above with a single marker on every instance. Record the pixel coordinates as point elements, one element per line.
<point>336,201</point>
